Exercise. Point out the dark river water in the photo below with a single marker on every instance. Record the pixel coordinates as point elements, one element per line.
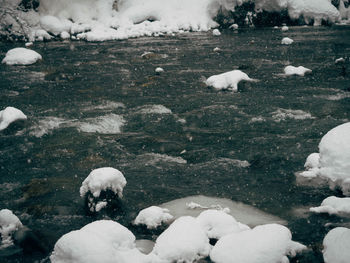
<point>92,105</point>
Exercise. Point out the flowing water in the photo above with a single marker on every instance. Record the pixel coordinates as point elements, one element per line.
<point>92,105</point>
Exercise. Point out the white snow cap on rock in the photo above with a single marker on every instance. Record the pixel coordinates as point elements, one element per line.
<point>333,205</point>
<point>102,179</point>
<point>228,80</point>
<point>332,163</point>
<point>300,71</point>
<point>159,70</point>
<point>153,217</point>
<point>263,244</point>
<point>284,28</point>
<point>9,115</point>
<point>183,241</point>
<point>287,41</point>
<point>217,223</point>
<point>216,32</point>
<point>101,241</point>
<point>336,246</point>
<point>21,56</point>
<point>9,223</point>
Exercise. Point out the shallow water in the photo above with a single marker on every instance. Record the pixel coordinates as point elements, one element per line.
<point>91,105</point>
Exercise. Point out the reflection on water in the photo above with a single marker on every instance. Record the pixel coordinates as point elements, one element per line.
<point>101,104</point>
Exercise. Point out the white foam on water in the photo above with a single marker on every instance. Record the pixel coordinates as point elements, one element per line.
<point>284,114</point>
<point>108,124</point>
<point>154,109</point>
<point>155,158</point>
<point>46,125</point>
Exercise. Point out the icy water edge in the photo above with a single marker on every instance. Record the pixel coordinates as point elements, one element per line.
<point>91,105</point>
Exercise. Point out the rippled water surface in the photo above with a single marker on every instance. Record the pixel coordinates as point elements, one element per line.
<point>91,105</point>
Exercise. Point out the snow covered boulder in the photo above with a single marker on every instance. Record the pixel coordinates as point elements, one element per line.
<point>332,163</point>
<point>287,41</point>
<point>10,115</point>
<point>183,241</point>
<point>216,32</point>
<point>228,80</point>
<point>101,241</point>
<point>263,244</point>
<point>54,25</point>
<point>21,56</point>
<point>333,205</point>
<point>217,223</point>
<point>101,187</point>
<point>153,217</point>
<point>284,28</point>
<point>300,71</point>
<point>159,70</point>
<point>336,246</point>
<point>9,223</point>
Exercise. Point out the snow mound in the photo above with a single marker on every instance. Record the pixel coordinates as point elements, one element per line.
<point>332,163</point>
<point>300,71</point>
<point>263,244</point>
<point>333,205</point>
<point>336,246</point>
<point>21,56</point>
<point>228,80</point>
<point>217,223</point>
<point>159,70</point>
<point>287,41</point>
<point>9,223</point>
<point>153,217</point>
<point>54,25</point>
<point>9,115</point>
<point>101,241</point>
<point>216,32</point>
<point>102,179</point>
<point>285,28</point>
<point>183,241</point>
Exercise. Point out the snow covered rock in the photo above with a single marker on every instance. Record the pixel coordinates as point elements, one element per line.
<point>228,80</point>
<point>287,41</point>
<point>102,180</point>
<point>284,28</point>
<point>101,241</point>
<point>216,32</point>
<point>9,115</point>
<point>333,205</point>
<point>234,26</point>
<point>300,71</point>
<point>183,241</point>
<point>263,244</point>
<point>153,217</point>
<point>217,49</point>
<point>21,56</point>
<point>217,223</point>
<point>9,223</point>
<point>336,246</point>
<point>159,70</point>
<point>332,162</point>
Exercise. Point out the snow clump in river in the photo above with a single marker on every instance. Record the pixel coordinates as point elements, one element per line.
<point>300,71</point>
<point>9,223</point>
<point>10,115</point>
<point>332,163</point>
<point>287,41</point>
<point>228,80</point>
<point>153,217</point>
<point>102,180</point>
<point>334,206</point>
<point>336,245</point>
<point>21,56</point>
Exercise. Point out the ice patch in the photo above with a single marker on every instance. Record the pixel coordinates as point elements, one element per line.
<point>333,206</point>
<point>155,109</point>
<point>108,124</point>
<point>245,214</point>
<point>336,245</point>
<point>21,56</point>
<point>284,114</point>
<point>10,115</point>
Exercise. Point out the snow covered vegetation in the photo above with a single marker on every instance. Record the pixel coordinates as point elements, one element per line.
<point>331,164</point>
<point>10,115</point>
<point>228,80</point>
<point>100,183</point>
<point>120,19</point>
<point>21,56</point>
